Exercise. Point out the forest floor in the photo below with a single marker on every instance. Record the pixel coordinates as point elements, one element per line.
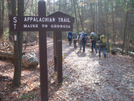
<point>86,77</point>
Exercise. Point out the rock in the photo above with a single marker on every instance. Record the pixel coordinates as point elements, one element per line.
<point>131,53</point>
<point>113,51</point>
<point>29,60</point>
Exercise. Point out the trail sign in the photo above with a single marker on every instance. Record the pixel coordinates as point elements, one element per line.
<point>55,22</point>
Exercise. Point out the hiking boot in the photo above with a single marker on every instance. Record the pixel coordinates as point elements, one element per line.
<point>104,55</point>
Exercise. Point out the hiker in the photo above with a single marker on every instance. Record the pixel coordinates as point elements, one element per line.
<point>93,39</point>
<point>69,35</point>
<point>83,39</point>
<point>102,44</point>
<point>74,35</point>
<point>80,44</point>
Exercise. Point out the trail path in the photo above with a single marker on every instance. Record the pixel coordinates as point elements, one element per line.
<point>86,77</point>
<point>90,78</point>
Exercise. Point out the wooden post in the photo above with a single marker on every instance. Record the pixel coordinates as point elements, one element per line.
<point>59,60</point>
<point>55,50</point>
<point>43,55</point>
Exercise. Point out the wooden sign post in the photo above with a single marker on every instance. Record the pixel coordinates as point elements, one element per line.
<point>43,55</point>
<point>56,22</point>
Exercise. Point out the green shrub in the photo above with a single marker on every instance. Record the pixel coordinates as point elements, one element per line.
<point>26,96</point>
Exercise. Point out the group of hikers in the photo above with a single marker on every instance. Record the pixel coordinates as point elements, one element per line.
<point>82,39</point>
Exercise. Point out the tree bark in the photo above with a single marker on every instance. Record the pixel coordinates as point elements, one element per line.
<point>9,14</point>
<point>1,17</point>
<point>106,25</point>
<point>124,35</point>
<point>100,16</point>
<point>17,71</point>
<point>92,17</point>
<point>0,20</point>
<point>71,7</point>
<point>75,16</point>
<point>16,78</point>
<point>80,16</point>
<point>114,34</point>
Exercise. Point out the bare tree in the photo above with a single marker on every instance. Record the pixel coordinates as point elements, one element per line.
<point>113,32</point>
<point>80,17</point>
<point>74,4</point>
<point>17,69</point>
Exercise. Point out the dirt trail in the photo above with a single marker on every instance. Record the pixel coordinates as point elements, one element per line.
<point>90,78</point>
<point>86,77</point>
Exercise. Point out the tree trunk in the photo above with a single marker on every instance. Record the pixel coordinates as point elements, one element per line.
<point>53,6</point>
<point>59,5</point>
<point>100,16</point>
<point>106,25</point>
<point>124,36</point>
<point>82,15</point>
<point>1,17</point>
<point>96,18</point>
<point>65,6</point>
<point>79,16</point>
<point>0,20</point>
<point>92,17</point>
<point>76,17</point>
<point>114,34</point>
<point>71,7</point>
<point>9,14</point>
<point>16,78</point>
<point>17,71</point>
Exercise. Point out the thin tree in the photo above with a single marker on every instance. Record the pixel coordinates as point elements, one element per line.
<point>0,20</point>
<point>17,70</point>
<point>125,27</point>
<point>1,17</point>
<point>80,17</point>
<point>114,34</point>
<point>92,16</point>
<point>107,23</point>
<point>74,4</point>
<point>16,81</point>
<point>100,16</point>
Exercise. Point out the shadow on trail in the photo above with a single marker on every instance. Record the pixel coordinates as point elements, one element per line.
<point>68,79</point>
<point>80,54</point>
<point>70,50</point>
<point>115,79</point>
<point>83,93</point>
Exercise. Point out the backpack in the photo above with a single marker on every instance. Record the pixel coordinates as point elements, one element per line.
<point>102,38</point>
<point>69,36</point>
<point>94,37</point>
<point>85,37</point>
<point>79,35</point>
<point>74,36</point>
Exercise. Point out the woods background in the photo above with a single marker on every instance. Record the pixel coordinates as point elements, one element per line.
<point>113,18</point>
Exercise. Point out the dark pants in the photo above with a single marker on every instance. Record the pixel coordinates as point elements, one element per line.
<point>75,43</point>
<point>103,49</point>
<point>94,46</point>
<point>83,44</point>
<point>70,41</point>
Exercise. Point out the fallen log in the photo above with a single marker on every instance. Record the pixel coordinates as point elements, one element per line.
<point>6,56</point>
<point>119,50</point>
<point>131,53</point>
